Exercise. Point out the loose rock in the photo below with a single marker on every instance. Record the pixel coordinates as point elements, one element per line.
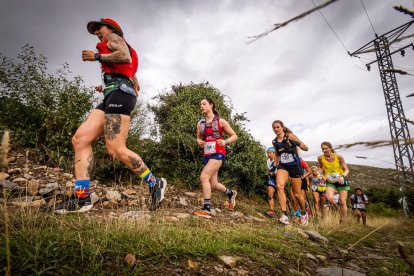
<point>228,261</point>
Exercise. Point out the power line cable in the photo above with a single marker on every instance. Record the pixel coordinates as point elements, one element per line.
<point>369,19</point>
<point>343,45</point>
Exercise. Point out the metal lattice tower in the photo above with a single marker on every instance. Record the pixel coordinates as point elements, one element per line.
<point>400,136</point>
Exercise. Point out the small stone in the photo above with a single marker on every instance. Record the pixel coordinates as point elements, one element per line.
<point>57,169</point>
<point>6,184</point>
<point>192,264</point>
<point>321,257</point>
<point>213,212</point>
<point>14,171</point>
<point>315,236</point>
<point>4,175</point>
<point>130,259</point>
<point>171,219</point>
<point>25,169</point>
<point>52,185</point>
<point>303,234</point>
<point>190,194</point>
<point>94,197</point>
<point>183,201</point>
<point>337,271</point>
<point>27,176</point>
<point>40,168</point>
<point>237,215</point>
<point>228,261</point>
<point>19,180</point>
<point>45,191</point>
<point>310,256</point>
<point>113,196</point>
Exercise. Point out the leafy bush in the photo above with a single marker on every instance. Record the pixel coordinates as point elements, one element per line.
<point>177,113</point>
<point>41,110</point>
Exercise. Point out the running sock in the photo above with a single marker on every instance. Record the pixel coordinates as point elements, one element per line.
<point>229,193</point>
<point>149,178</point>
<point>303,213</point>
<point>82,188</point>
<point>285,213</point>
<point>207,204</point>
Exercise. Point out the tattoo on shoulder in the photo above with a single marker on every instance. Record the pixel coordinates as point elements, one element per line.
<point>120,52</point>
<point>112,126</point>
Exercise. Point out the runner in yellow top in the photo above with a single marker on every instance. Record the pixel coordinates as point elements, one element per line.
<point>335,171</point>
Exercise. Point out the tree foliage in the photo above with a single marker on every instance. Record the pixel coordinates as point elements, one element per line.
<point>41,110</point>
<point>177,113</point>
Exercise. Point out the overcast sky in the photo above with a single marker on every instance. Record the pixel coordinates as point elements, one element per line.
<point>300,74</point>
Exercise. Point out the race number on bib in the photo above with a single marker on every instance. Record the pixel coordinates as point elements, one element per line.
<point>210,147</point>
<point>361,206</point>
<point>334,177</point>
<point>286,158</point>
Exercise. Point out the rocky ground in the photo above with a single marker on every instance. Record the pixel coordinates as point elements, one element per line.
<point>30,184</point>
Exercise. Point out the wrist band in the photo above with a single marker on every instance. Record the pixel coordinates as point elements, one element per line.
<point>97,56</point>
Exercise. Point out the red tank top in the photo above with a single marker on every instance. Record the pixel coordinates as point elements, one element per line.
<point>127,69</point>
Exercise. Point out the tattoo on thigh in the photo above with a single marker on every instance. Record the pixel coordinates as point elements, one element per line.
<point>135,162</point>
<point>90,162</point>
<point>112,126</point>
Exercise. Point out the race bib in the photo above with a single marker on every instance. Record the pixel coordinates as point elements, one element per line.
<point>210,148</point>
<point>333,177</point>
<point>286,158</point>
<point>361,206</point>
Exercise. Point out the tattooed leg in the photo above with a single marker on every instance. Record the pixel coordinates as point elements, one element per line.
<point>112,126</point>
<point>90,162</point>
<point>136,164</point>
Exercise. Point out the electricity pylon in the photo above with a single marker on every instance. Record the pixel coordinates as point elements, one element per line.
<point>400,136</point>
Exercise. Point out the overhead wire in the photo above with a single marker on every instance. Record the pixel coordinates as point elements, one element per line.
<point>333,31</point>
<point>369,19</point>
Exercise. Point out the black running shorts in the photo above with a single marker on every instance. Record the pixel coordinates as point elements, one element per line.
<point>118,102</point>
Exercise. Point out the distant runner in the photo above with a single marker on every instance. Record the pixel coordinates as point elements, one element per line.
<point>359,204</point>
<point>289,165</point>
<point>318,187</point>
<point>335,171</point>
<point>271,182</point>
<point>210,137</point>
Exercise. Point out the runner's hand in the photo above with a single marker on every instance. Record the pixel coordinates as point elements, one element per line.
<point>88,55</point>
<point>221,142</point>
<point>201,143</point>
<point>99,88</point>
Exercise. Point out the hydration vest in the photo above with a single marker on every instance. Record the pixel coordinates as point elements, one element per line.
<point>126,69</point>
<point>286,151</point>
<point>211,135</point>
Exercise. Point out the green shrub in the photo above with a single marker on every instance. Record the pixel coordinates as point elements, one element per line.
<point>41,110</point>
<point>177,113</point>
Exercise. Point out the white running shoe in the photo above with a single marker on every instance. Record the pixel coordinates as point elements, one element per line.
<point>284,219</point>
<point>304,219</point>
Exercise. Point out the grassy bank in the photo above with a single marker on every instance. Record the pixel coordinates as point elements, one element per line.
<point>88,244</point>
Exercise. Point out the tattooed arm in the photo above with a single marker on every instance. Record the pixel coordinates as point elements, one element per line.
<point>120,52</point>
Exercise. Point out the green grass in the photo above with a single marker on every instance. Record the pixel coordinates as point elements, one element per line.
<point>81,244</point>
